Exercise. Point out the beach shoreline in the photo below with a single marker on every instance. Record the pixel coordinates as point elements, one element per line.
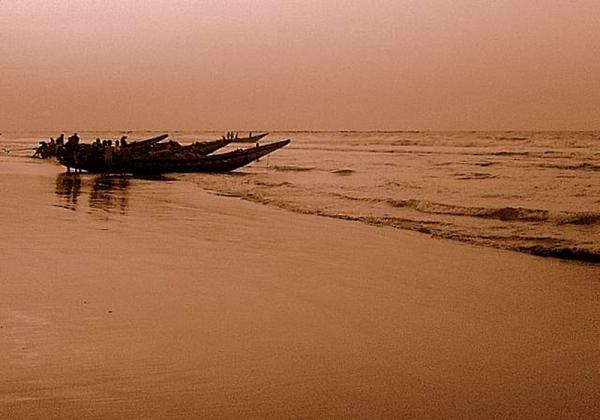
<point>154,299</point>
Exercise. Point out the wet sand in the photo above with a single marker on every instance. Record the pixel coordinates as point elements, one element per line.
<point>130,298</point>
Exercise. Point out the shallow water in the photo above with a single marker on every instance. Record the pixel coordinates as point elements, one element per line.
<point>124,297</point>
<point>536,192</point>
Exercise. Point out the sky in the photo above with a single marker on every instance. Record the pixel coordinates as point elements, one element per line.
<point>294,65</point>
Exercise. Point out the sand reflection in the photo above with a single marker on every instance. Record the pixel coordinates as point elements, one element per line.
<point>110,193</point>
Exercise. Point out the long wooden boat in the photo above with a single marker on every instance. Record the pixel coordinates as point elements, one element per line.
<point>250,139</point>
<point>200,148</point>
<point>126,162</point>
<point>86,155</point>
<point>208,147</point>
<point>48,150</point>
<point>140,144</point>
<point>223,162</point>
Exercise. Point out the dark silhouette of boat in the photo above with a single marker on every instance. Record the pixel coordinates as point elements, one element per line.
<point>222,162</point>
<point>250,138</point>
<point>142,144</point>
<point>84,157</point>
<point>201,148</point>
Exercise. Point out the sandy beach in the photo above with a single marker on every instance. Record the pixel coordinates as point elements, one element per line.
<point>133,298</point>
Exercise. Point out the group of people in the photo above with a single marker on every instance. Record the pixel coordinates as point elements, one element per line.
<point>103,150</point>
<point>104,144</point>
<point>231,136</point>
<point>52,148</point>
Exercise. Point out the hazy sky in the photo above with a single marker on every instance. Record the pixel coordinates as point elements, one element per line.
<point>345,64</point>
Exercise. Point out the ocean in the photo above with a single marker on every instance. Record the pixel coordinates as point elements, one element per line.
<point>533,192</point>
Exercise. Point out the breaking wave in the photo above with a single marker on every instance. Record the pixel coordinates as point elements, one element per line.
<point>544,246</point>
<point>474,175</point>
<point>289,168</point>
<point>343,172</point>
<point>500,213</point>
<point>509,153</point>
<point>564,253</point>
<point>584,166</point>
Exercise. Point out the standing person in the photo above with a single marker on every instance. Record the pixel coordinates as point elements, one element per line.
<point>52,148</point>
<point>108,154</point>
<point>73,140</point>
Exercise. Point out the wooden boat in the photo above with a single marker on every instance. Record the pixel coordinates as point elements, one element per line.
<point>146,163</point>
<point>250,139</point>
<point>200,148</point>
<point>141,144</point>
<point>207,147</point>
<point>86,155</point>
<point>223,162</point>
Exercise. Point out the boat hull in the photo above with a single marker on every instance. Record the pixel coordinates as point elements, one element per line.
<point>148,164</point>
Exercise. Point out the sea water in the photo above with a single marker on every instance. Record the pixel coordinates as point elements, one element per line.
<point>535,192</point>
